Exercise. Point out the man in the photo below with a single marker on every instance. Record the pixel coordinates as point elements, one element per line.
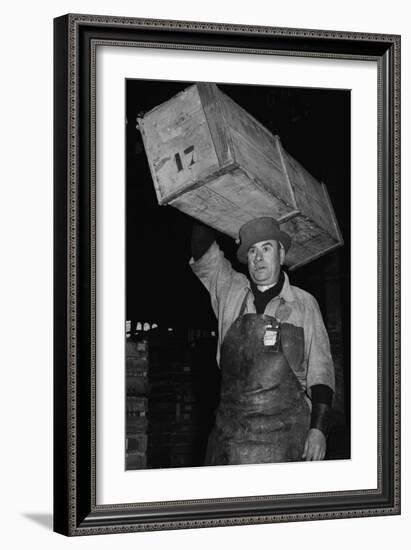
<point>277,371</point>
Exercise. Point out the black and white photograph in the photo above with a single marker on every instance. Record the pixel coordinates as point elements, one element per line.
<point>237,331</point>
<point>227,276</point>
<point>203,260</point>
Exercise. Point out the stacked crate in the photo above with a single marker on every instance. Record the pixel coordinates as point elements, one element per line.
<point>173,409</point>
<point>137,386</point>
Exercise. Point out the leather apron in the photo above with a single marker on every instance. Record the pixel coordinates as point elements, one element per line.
<point>263,415</point>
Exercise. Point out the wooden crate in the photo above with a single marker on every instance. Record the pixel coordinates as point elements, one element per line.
<point>138,349</point>
<point>136,460</point>
<point>137,385</point>
<point>136,443</point>
<point>136,424</point>
<point>137,405</point>
<point>137,366</point>
<point>212,160</point>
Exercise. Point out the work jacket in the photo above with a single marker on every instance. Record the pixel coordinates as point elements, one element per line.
<point>293,305</point>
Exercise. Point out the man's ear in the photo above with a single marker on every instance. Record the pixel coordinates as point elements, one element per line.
<point>282,254</point>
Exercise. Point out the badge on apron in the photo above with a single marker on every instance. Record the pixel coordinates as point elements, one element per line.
<point>272,337</point>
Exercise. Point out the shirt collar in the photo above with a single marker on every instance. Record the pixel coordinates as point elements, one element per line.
<point>286,292</point>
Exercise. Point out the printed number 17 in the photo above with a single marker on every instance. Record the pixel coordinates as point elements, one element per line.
<point>178,160</point>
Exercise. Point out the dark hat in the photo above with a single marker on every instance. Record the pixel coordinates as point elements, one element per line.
<point>260,229</point>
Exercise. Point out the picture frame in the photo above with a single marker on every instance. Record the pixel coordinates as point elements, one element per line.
<point>76,40</point>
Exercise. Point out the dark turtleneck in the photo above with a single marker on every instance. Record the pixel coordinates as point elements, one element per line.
<point>261,298</point>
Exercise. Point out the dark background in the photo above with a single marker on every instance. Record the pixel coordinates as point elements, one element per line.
<point>314,127</point>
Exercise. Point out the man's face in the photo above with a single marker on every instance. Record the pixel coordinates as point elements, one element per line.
<point>264,262</point>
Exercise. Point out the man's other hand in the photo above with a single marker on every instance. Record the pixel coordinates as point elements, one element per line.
<point>315,445</point>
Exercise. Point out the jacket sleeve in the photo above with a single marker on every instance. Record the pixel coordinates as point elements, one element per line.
<point>216,274</point>
<point>320,366</point>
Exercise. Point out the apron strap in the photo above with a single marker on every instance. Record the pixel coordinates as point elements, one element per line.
<point>244,304</point>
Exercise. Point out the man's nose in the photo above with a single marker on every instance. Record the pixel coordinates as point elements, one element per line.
<point>258,255</point>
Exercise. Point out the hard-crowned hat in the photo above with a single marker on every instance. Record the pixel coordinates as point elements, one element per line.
<point>260,229</point>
